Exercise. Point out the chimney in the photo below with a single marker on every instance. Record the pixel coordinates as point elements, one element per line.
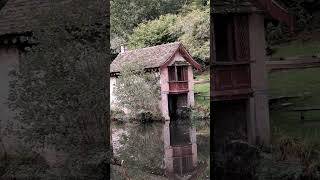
<point>123,48</point>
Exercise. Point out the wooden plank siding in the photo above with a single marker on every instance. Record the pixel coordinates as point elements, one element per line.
<point>232,76</point>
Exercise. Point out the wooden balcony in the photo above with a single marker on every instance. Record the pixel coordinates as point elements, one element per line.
<point>231,81</point>
<point>178,86</point>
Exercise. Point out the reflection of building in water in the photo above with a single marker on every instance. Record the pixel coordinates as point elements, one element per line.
<point>180,149</point>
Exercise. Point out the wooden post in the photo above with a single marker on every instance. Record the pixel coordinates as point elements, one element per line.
<point>176,73</point>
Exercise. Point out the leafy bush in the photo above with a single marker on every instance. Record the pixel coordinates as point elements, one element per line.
<point>147,117</point>
<point>137,91</point>
<point>290,158</point>
<point>118,115</point>
<point>200,118</point>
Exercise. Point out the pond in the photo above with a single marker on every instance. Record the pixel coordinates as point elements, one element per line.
<point>166,150</point>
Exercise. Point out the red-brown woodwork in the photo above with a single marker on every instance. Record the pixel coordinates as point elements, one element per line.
<point>241,38</point>
<point>224,39</point>
<point>231,75</point>
<point>277,12</point>
<point>234,77</point>
<point>182,159</point>
<point>178,86</point>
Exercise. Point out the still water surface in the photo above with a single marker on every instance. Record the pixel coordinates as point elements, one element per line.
<point>170,150</point>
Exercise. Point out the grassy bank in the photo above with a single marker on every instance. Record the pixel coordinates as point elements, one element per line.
<point>202,90</point>
<point>297,48</point>
<point>296,83</point>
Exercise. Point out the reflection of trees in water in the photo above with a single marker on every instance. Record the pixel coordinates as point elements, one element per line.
<point>143,148</point>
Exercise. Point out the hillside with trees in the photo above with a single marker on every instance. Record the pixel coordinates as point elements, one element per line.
<point>162,22</point>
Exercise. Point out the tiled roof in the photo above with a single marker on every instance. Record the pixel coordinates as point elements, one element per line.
<point>149,57</point>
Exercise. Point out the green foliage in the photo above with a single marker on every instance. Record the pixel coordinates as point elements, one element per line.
<point>126,15</point>
<point>297,48</point>
<point>118,115</point>
<point>59,91</point>
<point>291,158</point>
<point>301,82</point>
<point>194,32</point>
<point>287,159</point>
<point>200,118</point>
<point>191,28</point>
<point>137,91</point>
<point>154,32</point>
<point>148,117</point>
<point>306,18</point>
<point>276,34</point>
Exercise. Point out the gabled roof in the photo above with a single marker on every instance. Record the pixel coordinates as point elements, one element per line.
<point>152,57</point>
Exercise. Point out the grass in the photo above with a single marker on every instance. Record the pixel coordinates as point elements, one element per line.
<point>202,99</point>
<point>297,48</point>
<point>202,88</point>
<point>204,76</point>
<point>296,82</point>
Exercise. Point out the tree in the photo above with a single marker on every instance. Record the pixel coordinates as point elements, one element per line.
<point>154,32</point>
<point>192,28</point>
<point>137,90</point>
<point>126,15</point>
<point>60,88</point>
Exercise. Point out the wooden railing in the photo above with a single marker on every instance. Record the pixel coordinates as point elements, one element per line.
<point>178,86</point>
<point>232,77</point>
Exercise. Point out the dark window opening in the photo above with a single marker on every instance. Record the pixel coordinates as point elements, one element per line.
<point>178,73</point>
<point>172,73</point>
<point>231,37</point>
<point>182,73</point>
<point>224,40</point>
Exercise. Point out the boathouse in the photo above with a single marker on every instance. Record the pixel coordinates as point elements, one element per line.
<point>172,62</point>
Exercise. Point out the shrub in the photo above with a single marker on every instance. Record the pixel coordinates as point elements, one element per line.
<point>147,117</point>
<point>118,115</point>
<point>137,91</point>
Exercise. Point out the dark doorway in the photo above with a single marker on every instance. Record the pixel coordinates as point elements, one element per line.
<point>176,101</point>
